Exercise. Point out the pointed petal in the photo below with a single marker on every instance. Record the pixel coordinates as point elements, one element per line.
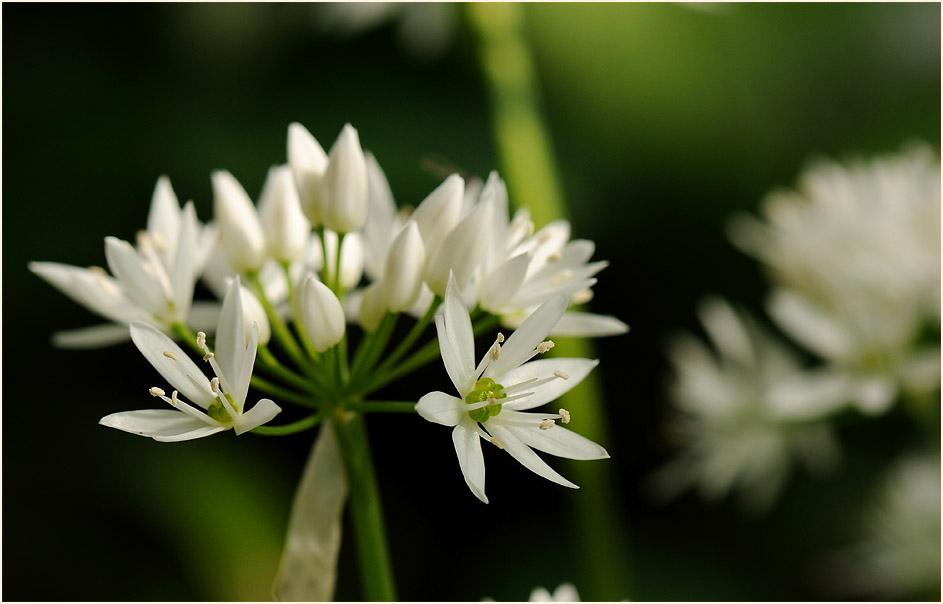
<point>588,325</point>
<point>308,568</point>
<point>182,373</point>
<point>727,331</point>
<point>93,289</point>
<point>532,332</point>
<point>381,222</point>
<point>502,284</point>
<point>231,335</point>
<point>472,462</point>
<point>441,408</point>
<point>160,424</point>
<point>242,379</point>
<point>262,412</point>
<point>96,336</point>
<point>308,163</point>
<point>809,325</point>
<point>183,271</point>
<point>141,284</point>
<point>164,214</point>
<point>576,369</point>
<point>457,339</point>
<point>561,442</point>
<point>522,453</point>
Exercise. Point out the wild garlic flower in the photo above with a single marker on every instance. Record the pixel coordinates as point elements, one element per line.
<point>521,269</point>
<point>565,592</point>
<point>855,253</point>
<point>745,413</point>
<point>494,394</point>
<point>220,402</point>
<point>152,283</point>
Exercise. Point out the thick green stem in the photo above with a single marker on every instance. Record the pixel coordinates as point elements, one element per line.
<point>532,176</point>
<point>376,574</point>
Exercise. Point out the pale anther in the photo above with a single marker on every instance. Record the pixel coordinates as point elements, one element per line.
<point>564,416</point>
<point>170,355</point>
<point>547,424</point>
<point>561,374</point>
<point>214,385</point>
<point>495,351</point>
<point>500,338</point>
<point>159,242</point>
<point>582,296</point>
<point>497,442</point>
<point>201,339</point>
<point>155,391</point>
<point>208,356</point>
<point>492,401</point>
<point>144,241</point>
<point>173,398</point>
<point>545,346</point>
<point>555,257</point>
<point>561,277</point>
<point>98,271</point>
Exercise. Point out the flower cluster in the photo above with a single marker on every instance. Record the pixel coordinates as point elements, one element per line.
<point>854,255</point>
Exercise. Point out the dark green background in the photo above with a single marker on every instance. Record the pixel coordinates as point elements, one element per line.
<point>665,119</point>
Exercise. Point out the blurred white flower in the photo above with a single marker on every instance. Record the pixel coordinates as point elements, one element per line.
<point>493,395</point>
<point>152,283</point>
<point>745,414</point>
<point>900,557</point>
<point>565,592</point>
<point>221,401</point>
<point>855,252</point>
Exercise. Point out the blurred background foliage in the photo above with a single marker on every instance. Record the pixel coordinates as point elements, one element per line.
<point>665,118</point>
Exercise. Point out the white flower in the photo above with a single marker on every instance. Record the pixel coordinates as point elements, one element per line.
<point>565,592</point>
<point>461,251</point>
<point>493,395</point>
<point>221,401</point>
<point>321,314</point>
<point>746,414</point>
<point>308,164</point>
<point>152,283</point>
<point>855,252</point>
<point>240,231</point>
<point>284,224</point>
<point>344,186</point>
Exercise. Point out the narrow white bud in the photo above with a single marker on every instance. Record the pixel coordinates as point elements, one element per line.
<point>547,424</point>
<point>545,346</point>
<point>170,355</point>
<point>155,391</point>
<point>462,251</point>
<point>372,307</point>
<point>352,258</point>
<point>285,226</point>
<point>564,416</point>
<point>308,164</point>
<point>322,315</point>
<point>344,188</point>
<point>254,312</point>
<point>561,374</point>
<point>439,212</point>
<point>240,231</point>
<point>405,263</point>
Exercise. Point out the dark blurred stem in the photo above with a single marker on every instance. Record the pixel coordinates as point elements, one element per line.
<point>376,574</point>
<point>529,168</point>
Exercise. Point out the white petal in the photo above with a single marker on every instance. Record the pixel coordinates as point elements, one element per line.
<point>284,224</point>
<point>182,373</point>
<point>441,408</point>
<point>262,412</point>
<point>322,315</point>
<point>468,449</point>
<point>439,212</point>
<point>372,307</point>
<point>874,395</point>
<point>575,369</point>
<point>809,395</point>
<point>344,187</point>
<point>141,284</point>
<point>522,453</point>
<point>308,568</point>
<point>457,340</point>
<point>561,442</point>
<point>231,335</point>
<point>809,325</point>
<point>578,324</point>
<point>404,268</point>
<point>164,214</point>
<point>308,163</point>
<point>183,271</point>
<point>532,332</point>
<point>726,331</point>
<point>240,232</point>
<point>95,336</point>
<point>566,592</point>
<point>241,387</point>
<point>95,290</point>
<point>502,284</point>
<point>461,252</point>
<point>382,221</point>
<point>160,424</point>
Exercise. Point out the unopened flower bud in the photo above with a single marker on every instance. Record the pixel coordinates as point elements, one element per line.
<point>461,251</point>
<point>404,269</point>
<point>439,212</point>
<point>308,163</point>
<point>321,315</point>
<point>344,188</point>
<point>240,231</point>
<point>352,258</point>
<point>372,307</point>
<point>285,226</point>
<point>253,312</point>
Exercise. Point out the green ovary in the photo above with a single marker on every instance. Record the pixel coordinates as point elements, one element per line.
<point>218,411</point>
<point>485,389</point>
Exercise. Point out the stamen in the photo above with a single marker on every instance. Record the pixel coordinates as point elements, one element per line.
<point>500,338</point>
<point>208,356</point>
<point>160,244</point>
<point>544,237</point>
<point>547,424</point>
<point>170,355</point>
<point>214,385</point>
<point>582,296</point>
<point>495,351</point>
<point>201,340</point>
<point>173,398</point>
<point>561,277</point>
<point>98,271</point>
<point>561,374</point>
<point>144,241</point>
<point>554,257</point>
<point>155,391</point>
<point>520,386</point>
<point>497,442</point>
<point>545,346</point>
<point>565,416</point>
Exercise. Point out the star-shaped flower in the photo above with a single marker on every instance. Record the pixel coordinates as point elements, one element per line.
<point>494,395</point>
<point>221,401</point>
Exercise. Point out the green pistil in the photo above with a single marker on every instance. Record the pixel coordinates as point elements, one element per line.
<point>218,411</point>
<point>485,389</point>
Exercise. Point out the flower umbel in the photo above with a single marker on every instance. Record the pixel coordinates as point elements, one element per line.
<point>494,394</point>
